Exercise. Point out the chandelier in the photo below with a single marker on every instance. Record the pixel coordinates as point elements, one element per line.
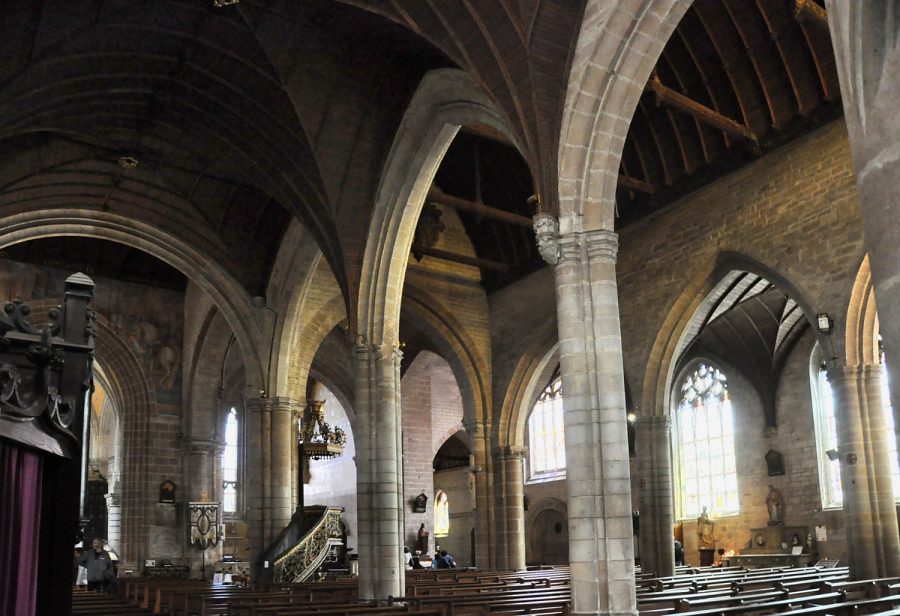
<point>317,439</point>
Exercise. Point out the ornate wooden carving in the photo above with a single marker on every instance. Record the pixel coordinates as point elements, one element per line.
<point>45,372</point>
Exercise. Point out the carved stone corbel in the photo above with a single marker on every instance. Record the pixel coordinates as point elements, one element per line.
<point>546,232</point>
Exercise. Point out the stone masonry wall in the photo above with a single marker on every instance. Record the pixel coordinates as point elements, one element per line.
<point>432,412</point>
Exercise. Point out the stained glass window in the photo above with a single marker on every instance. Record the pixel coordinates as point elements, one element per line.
<point>546,435</point>
<point>441,514</point>
<point>230,464</point>
<point>704,427</point>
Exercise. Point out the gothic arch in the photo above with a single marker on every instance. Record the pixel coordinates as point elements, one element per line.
<point>861,337</point>
<point>531,373</point>
<point>133,394</point>
<point>445,100</point>
<point>687,316</point>
<point>618,45</point>
<point>228,294</point>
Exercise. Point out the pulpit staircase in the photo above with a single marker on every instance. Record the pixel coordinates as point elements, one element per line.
<point>304,545</point>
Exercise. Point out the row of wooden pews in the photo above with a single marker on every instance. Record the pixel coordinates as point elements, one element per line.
<point>803,590</point>
<point>693,592</point>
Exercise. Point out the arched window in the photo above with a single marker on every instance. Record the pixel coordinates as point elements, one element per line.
<point>441,514</point>
<point>826,440</point>
<point>546,435</point>
<point>704,428</point>
<point>826,434</point>
<point>230,464</point>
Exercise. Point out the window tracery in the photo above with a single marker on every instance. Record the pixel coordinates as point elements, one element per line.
<point>546,435</point>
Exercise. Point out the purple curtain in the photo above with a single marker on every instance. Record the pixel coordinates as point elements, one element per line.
<point>20,521</point>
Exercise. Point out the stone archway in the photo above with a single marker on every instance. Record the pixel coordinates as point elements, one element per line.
<point>226,292</point>
<point>548,534</point>
<point>445,100</point>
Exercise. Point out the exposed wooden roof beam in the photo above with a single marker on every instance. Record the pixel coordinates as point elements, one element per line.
<point>458,203</point>
<point>458,258</point>
<point>703,113</point>
<point>809,12</point>
<point>635,184</point>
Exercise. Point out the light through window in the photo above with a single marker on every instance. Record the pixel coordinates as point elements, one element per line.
<point>441,515</point>
<point>546,435</point>
<point>704,426</point>
<point>230,464</point>
<point>826,428</point>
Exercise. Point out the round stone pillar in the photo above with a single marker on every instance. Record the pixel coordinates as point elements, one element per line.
<point>270,438</point>
<point>379,464</point>
<point>512,484</point>
<point>880,465</point>
<point>868,67</point>
<point>485,554</point>
<point>114,520</point>
<point>654,453</point>
<point>854,480</point>
<point>601,548</point>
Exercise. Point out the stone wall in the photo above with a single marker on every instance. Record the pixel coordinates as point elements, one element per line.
<point>457,485</point>
<point>794,215</point>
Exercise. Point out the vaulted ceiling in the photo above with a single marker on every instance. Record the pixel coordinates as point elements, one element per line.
<point>217,124</point>
<point>752,327</point>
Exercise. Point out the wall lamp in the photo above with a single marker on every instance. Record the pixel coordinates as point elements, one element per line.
<point>824,323</point>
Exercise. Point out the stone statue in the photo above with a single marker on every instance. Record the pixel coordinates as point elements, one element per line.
<point>705,528</point>
<point>422,540</point>
<point>775,505</point>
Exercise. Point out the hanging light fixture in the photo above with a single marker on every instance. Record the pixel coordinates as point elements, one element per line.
<point>317,439</point>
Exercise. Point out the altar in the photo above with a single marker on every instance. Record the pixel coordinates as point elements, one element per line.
<point>776,546</point>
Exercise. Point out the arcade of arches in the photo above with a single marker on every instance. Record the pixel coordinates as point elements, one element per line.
<point>660,225</point>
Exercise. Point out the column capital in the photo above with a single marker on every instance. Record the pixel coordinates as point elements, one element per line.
<point>602,245</point>
<point>511,452</point>
<point>197,446</point>
<point>546,233</point>
<point>364,351</point>
<point>654,422</point>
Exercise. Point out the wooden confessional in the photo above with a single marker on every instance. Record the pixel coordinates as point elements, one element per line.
<point>45,384</point>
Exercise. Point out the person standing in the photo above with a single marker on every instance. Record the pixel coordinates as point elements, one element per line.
<point>99,565</point>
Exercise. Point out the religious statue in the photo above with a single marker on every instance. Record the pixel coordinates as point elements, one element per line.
<point>422,540</point>
<point>705,528</point>
<point>775,505</point>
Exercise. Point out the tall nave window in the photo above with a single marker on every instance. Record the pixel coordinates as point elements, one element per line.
<point>546,435</point>
<point>230,464</point>
<point>704,428</point>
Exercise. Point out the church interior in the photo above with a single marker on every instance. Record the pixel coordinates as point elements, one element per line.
<point>578,292</point>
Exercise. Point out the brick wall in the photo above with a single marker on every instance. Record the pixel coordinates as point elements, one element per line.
<point>432,411</point>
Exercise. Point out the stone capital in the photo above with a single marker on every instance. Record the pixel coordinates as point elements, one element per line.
<point>602,245</point>
<point>511,452</point>
<point>546,233</point>
<point>654,422</point>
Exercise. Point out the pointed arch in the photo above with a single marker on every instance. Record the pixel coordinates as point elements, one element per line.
<point>227,293</point>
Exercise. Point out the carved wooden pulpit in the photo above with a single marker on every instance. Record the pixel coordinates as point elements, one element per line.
<point>45,383</point>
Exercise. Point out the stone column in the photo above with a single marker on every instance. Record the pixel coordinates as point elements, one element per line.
<point>860,518</point>
<point>114,519</point>
<point>601,549</point>
<point>880,465</point>
<point>379,464</point>
<point>867,55</point>
<point>654,452</point>
<point>485,554</point>
<point>270,438</point>
<point>198,470</point>
<point>512,485</point>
